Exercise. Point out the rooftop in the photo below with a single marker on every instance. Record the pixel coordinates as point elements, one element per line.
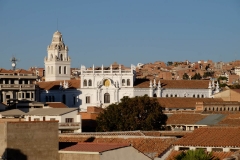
<point>94,147</point>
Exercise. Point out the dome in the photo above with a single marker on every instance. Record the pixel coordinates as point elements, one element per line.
<point>57,33</point>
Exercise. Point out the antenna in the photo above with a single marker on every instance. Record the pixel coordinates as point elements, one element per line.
<point>14,61</point>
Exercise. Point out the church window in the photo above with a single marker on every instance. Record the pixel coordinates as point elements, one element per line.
<point>64,99</point>
<point>128,82</point>
<point>171,95</point>
<point>64,70</point>
<point>87,99</point>
<point>123,82</point>
<point>85,82</point>
<point>106,98</point>
<point>48,70</point>
<point>198,96</point>
<point>51,69</point>
<point>60,70</point>
<point>89,82</point>
<point>202,96</point>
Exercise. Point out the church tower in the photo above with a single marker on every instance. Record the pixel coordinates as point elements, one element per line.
<point>57,62</point>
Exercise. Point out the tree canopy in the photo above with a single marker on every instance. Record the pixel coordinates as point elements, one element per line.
<point>198,154</point>
<point>197,76</point>
<point>138,113</point>
<point>185,76</point>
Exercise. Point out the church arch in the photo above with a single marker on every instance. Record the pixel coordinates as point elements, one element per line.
<point>106,98</point>
<point>60,70</point>
<point>51,69</point>
<point>85,82</point>
<point>89,82</point>
<point>128,82</point>
<point>48,70</point>
<point>123,82</point>
<point>64,70</point>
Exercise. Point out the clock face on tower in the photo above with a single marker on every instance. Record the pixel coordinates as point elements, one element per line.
<point>106,83</point>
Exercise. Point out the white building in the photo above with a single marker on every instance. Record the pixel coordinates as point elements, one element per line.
<point>57,62</point>
<point>68,118</point>
<point>101,86</point>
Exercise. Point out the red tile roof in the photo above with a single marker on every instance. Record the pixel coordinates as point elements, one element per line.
<point>185,118</point>
<point>231,120</point>
<point>187,84</point>
<point>212,136</point>
<point>177,102</point>
<point>94,147</point>
<point>56,105</point>
<point>147,145</point>
<point>73,84</point>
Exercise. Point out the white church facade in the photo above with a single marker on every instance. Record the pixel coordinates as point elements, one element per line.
<point>101,86</point>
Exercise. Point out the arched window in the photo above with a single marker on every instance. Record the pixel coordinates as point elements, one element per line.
<point>48,70</point>
<point>46,99</point>
<point>53,98</point>
<point>51,69</point>
<point>202,96</point>
<point>198,96</point>
<point>106,98</point>
<point>175,95</point>
<point>60,70</point>
<point>51,56</point>
<point>171,95</point>
<point>64,70</point>
<point>194,96</point>
<point>89,82</point>
<point>61,57</point>
<point>64,99</point>
<point>166,95</point>
<point>128,82</point>
<point>155,95</point>
<point>123,82</point>
<point>85,82</point>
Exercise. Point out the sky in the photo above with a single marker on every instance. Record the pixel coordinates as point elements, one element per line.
<point>125,31</point>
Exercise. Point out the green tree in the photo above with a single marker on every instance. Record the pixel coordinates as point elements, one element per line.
<point>185,76</point>
<point>138,113</point>
<point>208,74</point>
<point>198,154</point>
<point>169,63</point>
<point>197,76</point>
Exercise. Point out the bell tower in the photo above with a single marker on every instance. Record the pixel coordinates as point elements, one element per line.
<point>57,62</point>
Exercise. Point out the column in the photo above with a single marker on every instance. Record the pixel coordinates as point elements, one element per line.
<point>4,96</point>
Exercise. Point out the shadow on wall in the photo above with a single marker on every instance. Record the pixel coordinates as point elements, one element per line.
<point>13,154</point>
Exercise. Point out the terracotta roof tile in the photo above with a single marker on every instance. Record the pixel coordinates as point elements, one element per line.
<point>56,105</point>
<point>213,136</point>
<point>73,84</point>
<point>177,102</point>
<point>185,118</point>
<point>148,145</point>
<point>94,147</point>
<point>190,84</point>
<point>231,120</point>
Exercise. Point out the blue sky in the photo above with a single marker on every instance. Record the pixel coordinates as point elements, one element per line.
<point>126,31</point>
